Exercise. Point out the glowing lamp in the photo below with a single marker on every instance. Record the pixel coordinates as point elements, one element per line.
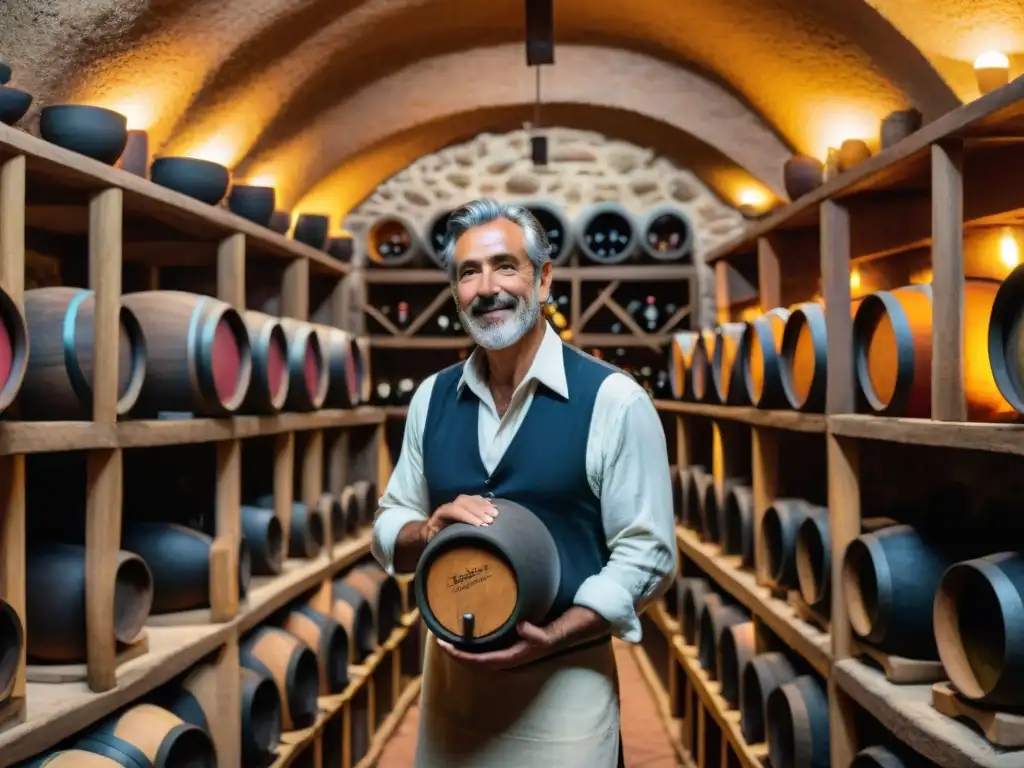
<point>1009,250</point>
<point>854,280</point>
<point>992,71</point>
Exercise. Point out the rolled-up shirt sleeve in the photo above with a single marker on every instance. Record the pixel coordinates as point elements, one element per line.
<point>405,499</point>
<point>635,489</point>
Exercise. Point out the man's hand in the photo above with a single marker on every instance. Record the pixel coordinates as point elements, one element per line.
<point>472,510</point>
<point>577,625</point>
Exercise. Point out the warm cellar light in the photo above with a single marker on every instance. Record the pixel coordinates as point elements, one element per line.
<point>855,280</point>
<point>1009,250</point>
<point>991,70</point>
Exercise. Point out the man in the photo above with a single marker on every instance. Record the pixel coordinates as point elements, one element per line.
<point>528,412</point>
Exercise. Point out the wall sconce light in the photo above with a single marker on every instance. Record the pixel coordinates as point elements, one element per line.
<point>1009,250</point>
<point>135,158</point>
<point>752,202</point>
<point>992,70</point>
<point>855,280</point>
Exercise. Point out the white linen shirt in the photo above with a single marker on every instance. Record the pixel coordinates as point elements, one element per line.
<point>627,467</point>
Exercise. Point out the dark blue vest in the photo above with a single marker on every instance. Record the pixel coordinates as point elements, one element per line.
<point>544,468</point>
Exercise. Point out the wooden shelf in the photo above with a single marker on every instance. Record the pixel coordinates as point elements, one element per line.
<point>994,438</point>
<point>995,114</point>
<point>790,420</point>
<point>72,172</point>
<point>750,756</point>
<point>381,341</point>
<point>18,437</point>
<point>906,711</point>
<point>58,710</point>
<point>806,640</point>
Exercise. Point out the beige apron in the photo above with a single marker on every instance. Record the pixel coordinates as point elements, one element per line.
<point>561,713</point>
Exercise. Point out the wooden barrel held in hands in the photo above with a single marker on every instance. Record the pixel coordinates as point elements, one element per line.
<point>147,735</point>
<point>344,366</point>
<point>292,666</point>
<point>55,598</point>
<point>198,357</point>
<point>474,584</point>
<point>761,361</point>
<point>58,378</point>
<point>307,367</point>
<point>268,387</point>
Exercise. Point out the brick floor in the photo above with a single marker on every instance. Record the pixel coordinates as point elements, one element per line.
<point>644,739</point>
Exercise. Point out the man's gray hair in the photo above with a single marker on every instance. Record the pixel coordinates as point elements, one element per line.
<point>484,211</point>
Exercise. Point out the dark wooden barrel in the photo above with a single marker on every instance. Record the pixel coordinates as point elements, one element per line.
<point>606,233</point>
<point>306,535</point>
<point>803,351</point>
<point>391,241</point>
<point>436,235</point>
<point>384,594</point>
<point>331,510</point>
<point>726,364</point>
<point>474,584</point>
<point>12,641</point>
<point>311,229</point>
<point>713,620</point>
<point>814,559</point>
<point>736,646</point>
<point>556,226</point>
<point>268,387</point>
<point>761,362</point>
<point>344,365</point>
<point>307,367</point>
<point>692,480</point>
<point>366,500</point>
<point>327,638</point>
<point>762,675</point>
<point>679,363</point>
<point>198,357</point>
<point>264,537</point>
<point>179,559</point>
<point>667,234</point>
<point>149,735</point>
<point>979,626</point>
<point>700,380</point>
<point>890,580</point>
<point>738,523</point>
<point>710,511</point>
<point>796,720</point>
<point>58,379</point>
<point>13,350</point>
<point>779,527</point>
<point>350,505</point>
<point>55,601</point>
<point>694,594</point>
<point>352,611</point>
<point>892,351</point>
<point>261,718</point>
<point>1004,303</point>
<point>293,667</point>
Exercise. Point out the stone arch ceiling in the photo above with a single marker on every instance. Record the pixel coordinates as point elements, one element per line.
<point>238,79</point>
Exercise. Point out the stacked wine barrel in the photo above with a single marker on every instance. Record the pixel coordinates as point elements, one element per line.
<point>781,702</point>
<point>178,352</point>
<point>606,233</point>
<point>720,515</point>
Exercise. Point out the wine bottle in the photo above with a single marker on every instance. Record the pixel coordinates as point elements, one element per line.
<point>383,392</point>
<point>443,325</point>
<point>404,391</point>
<point>403,318</point>
<point>650,316</point>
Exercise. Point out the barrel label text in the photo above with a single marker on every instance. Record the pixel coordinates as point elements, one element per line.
<point>470,577</point>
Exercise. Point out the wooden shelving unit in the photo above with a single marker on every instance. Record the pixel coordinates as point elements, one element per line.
<point>904,201</point>
<point>57,203</point>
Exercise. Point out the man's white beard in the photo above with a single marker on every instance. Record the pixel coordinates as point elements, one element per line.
<point>492,335</point>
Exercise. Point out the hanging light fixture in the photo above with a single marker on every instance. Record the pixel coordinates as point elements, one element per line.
<point>540,50</point>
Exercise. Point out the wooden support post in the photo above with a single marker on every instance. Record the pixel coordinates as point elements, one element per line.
<point>765,489</point>
<point>104,489</point>
<point>224,586</point>
<point>12,468</point>
<point>835,279</point>
<point>949,402</point>
<point>231,271</point>
<point>769,275</point>
<point>295,290</point>
<point>722,298</point>
<point>284,492</point>
<point>312,475</point>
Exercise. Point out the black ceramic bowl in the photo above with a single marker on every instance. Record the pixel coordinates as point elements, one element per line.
<point>13,105</point>
<point>340,248</point>
<point>311,229</point>
<point>280,222</point>
<point>201,179</point>
<point>253,203</point>
<point>5,73</point>
<point>91,131</point>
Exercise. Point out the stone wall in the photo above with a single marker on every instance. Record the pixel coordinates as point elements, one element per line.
<point>584,168</point>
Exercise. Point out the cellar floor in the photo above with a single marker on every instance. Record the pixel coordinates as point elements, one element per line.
<point>644,740</point>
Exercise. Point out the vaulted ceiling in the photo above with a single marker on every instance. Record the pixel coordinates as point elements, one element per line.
<point>326,98</point>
